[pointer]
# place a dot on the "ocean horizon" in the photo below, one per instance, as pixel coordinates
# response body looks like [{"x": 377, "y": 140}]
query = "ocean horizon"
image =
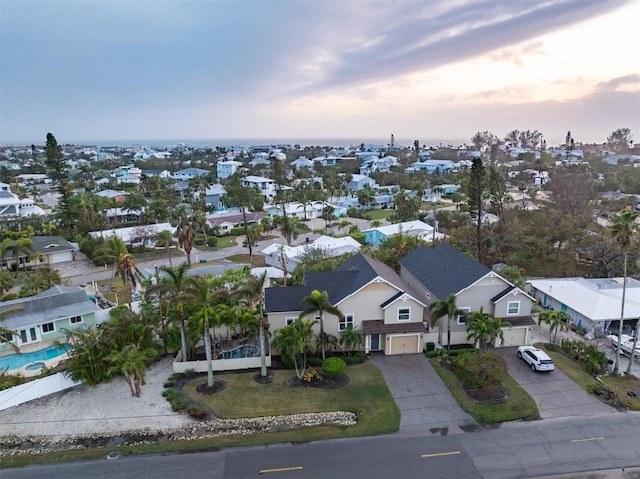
[{"x": 245, "y": 142}]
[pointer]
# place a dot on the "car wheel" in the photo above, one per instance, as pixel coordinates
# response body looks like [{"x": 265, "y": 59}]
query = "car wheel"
[
  {"x": 519, "y": 355},
  {"x": 533, "y": 368}
]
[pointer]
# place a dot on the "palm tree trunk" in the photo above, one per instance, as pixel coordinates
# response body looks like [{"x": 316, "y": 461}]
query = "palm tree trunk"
[
  {"x": 137, "y": 380},
  {"x": 207, "y": 352},
  {"x": 448, "y": 337},
  {"x": 128, "y": 379},
  {"x": 183, "y": 335},
  {"x": 263, "y": 353},
  {"x": 616, "y": 369},
  {"x": 322, "y": 334},
  {"x": 633, "y": 348}
]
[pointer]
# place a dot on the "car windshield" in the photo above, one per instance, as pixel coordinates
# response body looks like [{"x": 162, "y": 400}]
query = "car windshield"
[{"x": 546, "y": 361}]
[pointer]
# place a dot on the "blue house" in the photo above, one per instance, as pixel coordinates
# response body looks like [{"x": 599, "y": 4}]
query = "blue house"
[{"x": 431, "y": 166}]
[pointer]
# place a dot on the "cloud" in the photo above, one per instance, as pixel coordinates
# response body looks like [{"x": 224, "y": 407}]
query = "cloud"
[{"x": 632, "y": 81}]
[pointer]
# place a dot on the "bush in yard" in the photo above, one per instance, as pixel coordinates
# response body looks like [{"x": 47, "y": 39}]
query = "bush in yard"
[
  {"x": 334, "y": 365},
  {"x": 431, "y": 346},
  {"x": 212, "y": 241},
  {"x": 311, "y": 375},
  {"x": 197, "y": 412},
  {"x": 480, "y": 369},
  {"x": 594, "y": 361}
]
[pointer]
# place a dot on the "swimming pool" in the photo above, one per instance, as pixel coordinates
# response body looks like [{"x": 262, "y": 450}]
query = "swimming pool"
[
  {"x": 16, "y": 361},
  {"x": 240, "y": 352}
]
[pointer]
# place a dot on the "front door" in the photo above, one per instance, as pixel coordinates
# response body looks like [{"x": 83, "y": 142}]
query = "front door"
[
  {"x": 28, "y": 335},
  {"x": 375, "y": 342}
]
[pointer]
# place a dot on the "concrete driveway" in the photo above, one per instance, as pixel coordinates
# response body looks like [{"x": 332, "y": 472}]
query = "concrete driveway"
[
  {"x": 424, "y": 401},
  {"x": 555, "y": 394}
]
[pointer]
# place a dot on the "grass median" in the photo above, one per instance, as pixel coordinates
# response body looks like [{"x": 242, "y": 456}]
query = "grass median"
[
  {"x": 367, "y": 394},
  {"x": 519, "y": 406}
]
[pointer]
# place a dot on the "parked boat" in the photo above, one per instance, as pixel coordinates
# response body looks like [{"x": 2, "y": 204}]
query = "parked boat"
[{"x": 625, "y": 345}]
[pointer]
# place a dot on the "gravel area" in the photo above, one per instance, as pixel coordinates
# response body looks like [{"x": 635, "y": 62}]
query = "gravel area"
[{"x": 105, "y": 408}]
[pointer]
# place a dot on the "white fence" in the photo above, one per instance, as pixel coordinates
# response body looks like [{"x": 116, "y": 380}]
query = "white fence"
[
  {"x": 219, "y": 364},
  {"x": 34, "y": 390}
]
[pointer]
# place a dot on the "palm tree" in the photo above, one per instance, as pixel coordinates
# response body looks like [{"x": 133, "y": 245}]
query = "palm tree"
[
  {"x": 294, "y": 342},
  {"x": 557, "y": 321},
  {"x": 6, "y": 281},
  {"x": 623, "y": 228},
  {"x": 18, "y": 247},
  {"x": 6, "y": 334},
  {"x": 175, "y": 284},
  {"x": 32, "y": 285},
  {"x": 483, "y": 328},
  {"x": 319, "y": 302},
  {"x": 446, "y": 307},
  {"x": 165, "y": 238},
  {"x": 186, "y": 233},
  {"x": 351, "y": 338},
  {"x": 132, "y": 362},
  {"x": 253, "y": 293},
  {"x": 124, "y": 264},
  {"x": 50, "y": 276},
  {"x": 201, "y": 291}
]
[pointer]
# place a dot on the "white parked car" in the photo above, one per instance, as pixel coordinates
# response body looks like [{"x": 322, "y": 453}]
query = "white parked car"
[{"x": 536, "y": 358}]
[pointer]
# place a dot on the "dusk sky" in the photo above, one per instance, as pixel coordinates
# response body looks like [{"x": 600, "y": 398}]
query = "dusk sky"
[{"x": 90, "y": 70}]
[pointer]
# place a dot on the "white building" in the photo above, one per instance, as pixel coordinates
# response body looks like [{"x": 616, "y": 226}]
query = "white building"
[{"x": 226, "y": 169}]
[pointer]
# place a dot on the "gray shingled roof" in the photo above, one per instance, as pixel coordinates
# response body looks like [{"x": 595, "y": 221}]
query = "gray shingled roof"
[
  {"x": 443, "y": 270},
  {"x": 345, "y": 280},
  {"x": 55, "y": 303},
  {"x": 50, "y": 244}
]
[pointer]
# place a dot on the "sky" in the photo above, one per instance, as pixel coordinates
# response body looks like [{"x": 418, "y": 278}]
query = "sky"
[{"x": 97, "y": 70}]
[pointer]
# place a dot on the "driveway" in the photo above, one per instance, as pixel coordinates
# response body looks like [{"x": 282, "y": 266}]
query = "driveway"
[
  {"x": 424, "y": 401},
  {"x": 555, "y": 394}
]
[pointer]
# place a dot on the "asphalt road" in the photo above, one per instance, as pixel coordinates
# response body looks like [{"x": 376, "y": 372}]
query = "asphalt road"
[{"x": 516, "y": 450}]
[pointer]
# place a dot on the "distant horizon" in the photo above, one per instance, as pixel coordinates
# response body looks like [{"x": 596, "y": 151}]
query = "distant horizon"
[{"x": 246, "y": 142}]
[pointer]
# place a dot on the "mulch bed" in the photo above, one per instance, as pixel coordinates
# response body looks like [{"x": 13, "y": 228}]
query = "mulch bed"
[
  {"x": 204, "y": 388},
  {"x": 335, "y": 381},
  {"x": 268, "y": 379},
  {"x": 493, "y": 395}
]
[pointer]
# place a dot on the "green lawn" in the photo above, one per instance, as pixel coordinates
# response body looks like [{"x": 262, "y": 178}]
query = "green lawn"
[
  {"x": 257, "y": 261},
  {"x": 367, "y": 394},
  {"x": 379, "y": 214},
  {"x": 620, "y": 385},
  {"x": 519, "y": 405},
  {"x": 113, "y": 289}
]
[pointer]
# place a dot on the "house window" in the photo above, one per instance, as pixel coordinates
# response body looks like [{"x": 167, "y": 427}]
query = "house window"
[
  {"x": 290, "y": 321},
  {"x": 345, "y": 322},
  {"x": 404, "y": 314},
  {"x": 48, "y": 328},
  {"x": 75, "y": 320},
  {"x": 513, "y": 308},
  {"x": 7, "y": 337},
  {"x": 462, "y": 318}
]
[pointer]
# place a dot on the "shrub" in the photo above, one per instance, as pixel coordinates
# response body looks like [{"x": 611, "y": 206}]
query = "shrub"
[
  {"x": 356, "y": 358},
  {"x": 311, "y": 375},
  {"x": 314, "y": 361},
  {"x": 435, "y": 353},
  {"x": 198, "y": 240},
  {"x": 431, "y": 346},
  {"x": 594, "y": 361},
  {"x": 197, "y": 412},
  {"x": 334, "y": 365},
  {"x": 237, "y": 231},
  {"x": 481, "y": 369},
  {"x": 190, "y": 373},
  {"x": 180, "y": 403},
  {"x": 459, "y": 352},
  {"x": 169, "y": 383},
  {"x": 212, "y": 241},
  {"x": 171, "y": 394}
]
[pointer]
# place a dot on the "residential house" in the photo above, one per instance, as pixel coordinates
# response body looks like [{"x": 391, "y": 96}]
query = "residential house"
[
  {"x": 432, "y": 195},
  {"x": 593, "y": 303},
  {"x": 287, "y": 257},
  {"x": 44, "y": 250},
  {"x": 135, "y": 235},
  {"x": 372, "y": 297},
  {"x": 431, "y": 166},
  {"x": 302, "y": 162},
  {"x": 214, "y": 195},
  {"x": 441, "y": 271},
  {"x": 12, "y": 205},
  {"x": 232, "y": 218},
  {"x": 45, "y": 316},
  {"x": 359, "y": 182},
  {"x": 226, "y": 169},
  {"x": 188, "y": 174},
  {"x": 375, "y": 236},
  {"x": 304, "y": 211},
  {"x": 164, "y": 174},
  {"x": 448, "y": 189},
  {"x": 115, "y": 195},
  {"x": 267, "y": 186},
  {"x": 382, "y": 165}
]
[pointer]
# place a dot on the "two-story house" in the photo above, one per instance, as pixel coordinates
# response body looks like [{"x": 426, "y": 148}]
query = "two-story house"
[
  {"x": 372, "y": 298},
  {"x": 438, "y": 272}
]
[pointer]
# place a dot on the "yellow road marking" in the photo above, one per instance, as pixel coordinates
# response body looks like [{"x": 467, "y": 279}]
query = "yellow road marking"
[
  {"x": 438, "y": 454},
  {"x": 281, "y": 469},
  {"x": 588, "y": 439}
]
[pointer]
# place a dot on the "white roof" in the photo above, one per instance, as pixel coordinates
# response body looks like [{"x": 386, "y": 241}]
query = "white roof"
[
  {"x": 338, "y": 246},
  {"x": 597, "y": 299},
  {"x": 126, "y": 234},
  {"x": 407, "y": 227}
]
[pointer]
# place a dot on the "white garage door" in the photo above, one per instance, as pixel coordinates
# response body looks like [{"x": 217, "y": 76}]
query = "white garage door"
[
  {"x": 513, "y": 337},
  {"x": 404, "y": 344}
]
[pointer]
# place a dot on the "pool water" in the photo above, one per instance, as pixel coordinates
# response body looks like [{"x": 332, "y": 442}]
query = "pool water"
[
  {"x": 240, "y": 352},
  {"x": 16, "y": 361}
]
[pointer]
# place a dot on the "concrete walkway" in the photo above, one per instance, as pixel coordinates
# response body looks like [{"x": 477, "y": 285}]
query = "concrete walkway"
[{"x": 425, "y": 403}]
